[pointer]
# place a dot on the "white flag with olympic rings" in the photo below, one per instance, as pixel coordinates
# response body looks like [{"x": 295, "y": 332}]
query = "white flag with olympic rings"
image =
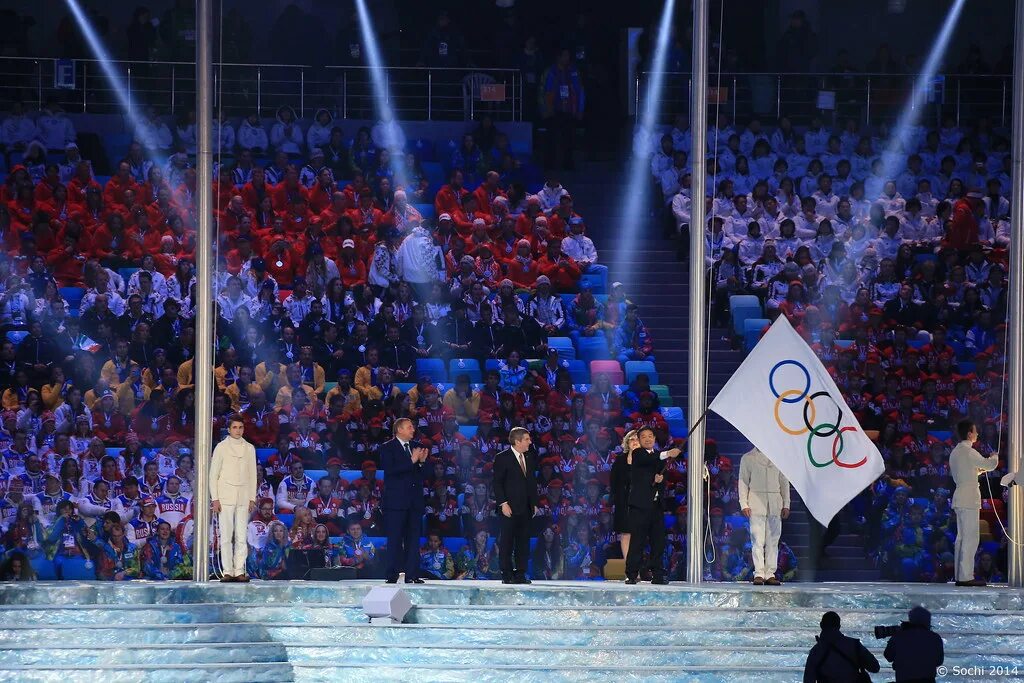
[{"x": 784, "y": 401}]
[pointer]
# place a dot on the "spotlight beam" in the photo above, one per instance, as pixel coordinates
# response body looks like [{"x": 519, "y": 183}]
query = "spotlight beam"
[
  {"x": 637, "y": 195},
  {"x": 895, "y": 152},
  {"x": 106, "y": 63},
  {"x": 380, "y": 90}
]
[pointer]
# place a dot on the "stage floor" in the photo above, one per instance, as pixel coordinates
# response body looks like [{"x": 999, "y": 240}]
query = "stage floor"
[{"x": 479, "y": 631}]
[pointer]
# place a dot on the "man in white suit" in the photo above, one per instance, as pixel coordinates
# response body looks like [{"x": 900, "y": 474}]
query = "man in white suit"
[
  {"x": 233, "y": 490},
  {"x": 965, "y": 465},
  {"x": 764, "y": 499}
]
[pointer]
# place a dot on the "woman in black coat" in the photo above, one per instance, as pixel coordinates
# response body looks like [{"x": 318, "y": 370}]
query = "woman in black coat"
[{"x": 620, "y": 489}]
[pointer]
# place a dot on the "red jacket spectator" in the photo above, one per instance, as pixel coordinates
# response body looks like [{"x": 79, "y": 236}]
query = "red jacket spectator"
[
  {"x": 963, "y": 227},
  {"x": 563, "y": 272},
  {"x": 449, "y": 198},
  {"x": 113, "y": 193}
]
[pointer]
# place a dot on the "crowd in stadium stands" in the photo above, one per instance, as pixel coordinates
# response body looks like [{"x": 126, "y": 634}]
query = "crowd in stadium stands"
[
  {"x": 338, "y": 310},
  {"x": 889, "y": 258}
]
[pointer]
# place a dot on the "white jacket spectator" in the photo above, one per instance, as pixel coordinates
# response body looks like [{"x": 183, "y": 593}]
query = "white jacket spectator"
[
  {"x": 225, "y": 133},
  {"x": 229, "y": 305},
  {"x": 319, "y": 133},
  {"x": 56, "y": 131},
  {"x": 152, "y": 133},
  {"x": 387, "y": 134},
  {"x": 18, "y": 129},
  {"x": 578, "y": 246},
  {"x": 680, "y": 209},
  {"x": 252, "y": 135},
  {"x": 286, "y": 134},
  {"x": 419, "y": 259},
  {"x": 187, "y": 137},
  {"x": 550, "y": 196}
]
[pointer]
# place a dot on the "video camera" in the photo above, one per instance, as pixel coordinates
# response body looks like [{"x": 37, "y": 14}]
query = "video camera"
[{"x": 889, "y": 631}]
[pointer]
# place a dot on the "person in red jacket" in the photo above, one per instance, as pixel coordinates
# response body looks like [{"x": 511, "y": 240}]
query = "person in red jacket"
[
  {"x": 232, "y": 214},
  {"x": 46, "y": 186},
  {"x": 113, "y": 193},
  {"x": 261, "y": 421},
  {"x": 66, "y": 262},
  {"x": 527, "y": 219},
  {"x": 297, "y": 219},
  {"x": 341, "y": 204},
  {"x": 255, "y": 190},
  {"x": 108, "y": 423},
  {"x": 322, "y": 193},
  {"x": 82, "y": 183},
  {"x": 449, "y": 198},
  {"x": 352, "y": 269},
  {"x": 365, "y": 217},
  {"x": 523, "y": 270},
  {"x": 488, "y": 191},
  {"x": 223, "y": 188},
  {"x": 282, "y": 265},
  {"x": 285, "y": 192},
  {"x": 112, "y": 242},
  {"x": 563, "y": 272},
  {"x": 963, "y": 227}
]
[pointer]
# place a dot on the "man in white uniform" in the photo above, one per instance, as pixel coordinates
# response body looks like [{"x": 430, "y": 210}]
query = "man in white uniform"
[
  {"x": 965, "y": 465},
  {"x": 233, "y": 490},
  {"x": 764, "y": 499}
]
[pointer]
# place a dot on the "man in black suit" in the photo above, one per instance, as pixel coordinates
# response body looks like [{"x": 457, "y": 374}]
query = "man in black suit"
[
  {"x": 402, "y": 462},
  {"x": 515, "y": 491},
  {"x": 646, "y": 517}
]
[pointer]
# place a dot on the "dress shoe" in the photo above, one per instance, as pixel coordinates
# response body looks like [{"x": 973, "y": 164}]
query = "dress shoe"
[
  {"x": 227, "y": 578},
  {"x": 772, "y": 582},
  {"x": 415, "y": 581},
  {"x": 659, "y": 581},
  {"x": 523, "y": 580},
  {"x": 974, "y": 583},
  {"x": 631, "y": 581},
  {"x": 393, "y": 579},
  {"x": 758, "y": 581},
  {"x": 508, "y": 581},
  {"x": 242, "y": 578}
]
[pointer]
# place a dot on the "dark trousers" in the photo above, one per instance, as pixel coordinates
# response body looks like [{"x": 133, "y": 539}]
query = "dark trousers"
[
  {"x": 514, "y": 545},
  {"x": 403, "y": 527},
  {"x": 646, "y": 525}
]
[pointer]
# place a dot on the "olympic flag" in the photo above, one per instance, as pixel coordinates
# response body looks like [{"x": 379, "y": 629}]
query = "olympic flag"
[{"x": 784, "y": 401}]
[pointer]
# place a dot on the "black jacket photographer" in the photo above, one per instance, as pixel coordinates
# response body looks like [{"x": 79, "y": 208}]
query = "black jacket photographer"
[
  {"x": 915, "y": 650},
  {"x": 837, "y": 658}
]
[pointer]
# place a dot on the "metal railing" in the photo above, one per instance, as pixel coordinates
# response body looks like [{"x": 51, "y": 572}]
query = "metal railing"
[
  {"x": 871, "y": 98},
  {"x": 414, "y": 93}
]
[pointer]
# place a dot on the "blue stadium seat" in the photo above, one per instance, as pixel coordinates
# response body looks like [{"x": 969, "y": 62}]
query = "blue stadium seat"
[
  {"x": 434, "y": 173},
  {"x": 426, "y": 210},
  {"x": 404, "y": 387},
  {"x": 566, "y": 351},
  {"x": 593, "y": 348},
  {"x": 464, "y": 366},
  {"x": 454, "y": 543},
  {"x": 422, "y": 148},
  {"x": 114, "y": 451},
  {"x": 263, "y": 454},
  {"x": 966, "y": 366},
  {"x": 844, "y": 343},
  {"x": 432, "y": 368},
  {"x": 468, "y": 431},
  {"x": 581, "y": 388},
  {"x": 741, "y": 307},
  {"x": 126, "y": 273},
  {"x": 78, "y": 569},
  {"x": 641, "y": 367},
  {"x": 492, "y": 364},
  {"x": 916, "y": 343},
  {"x": 579, "y": 371},
  {"x": 941, "y": 435},
  {"x": 672, "y": 413},
  {"x": 352, "y": 475},
  {"x": 15, "y": 337},
  {"x": 677, "y": 428},
  {"x": 663, "y": 394},
  {"x": 566, "y": 300},
  {"x": 286, "y": 519},
  {"x": 442, "y": 387},
  {"x": 44, "y": 569},
  {"x": 316, "y": 475},
  {"x": 598, "y": 282},
  {"x": 752, "y": 331}
]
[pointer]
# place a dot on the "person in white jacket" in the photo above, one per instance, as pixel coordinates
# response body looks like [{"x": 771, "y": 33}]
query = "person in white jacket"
[
  {"x": 764, "y": 500},
  {"x": 252, "y": 135},
  {"x": 233, "y": 494},
  {"x": 286, "y": 134},
  {"x": 18, "y": 129},
  {"x": 55, "y": 130},
  {"x": 965, "y": 465},
  {"x": 319, "y": 133}
]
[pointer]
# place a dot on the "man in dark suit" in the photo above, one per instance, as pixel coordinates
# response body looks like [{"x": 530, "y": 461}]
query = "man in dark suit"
[
  {"x": 646, "y": 517},
  {"x": 515, "y": 491},
  {"x": 402, "y": 462}
]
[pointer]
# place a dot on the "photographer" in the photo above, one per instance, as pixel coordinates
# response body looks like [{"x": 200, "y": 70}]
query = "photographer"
[
  {"x": 915, "y": 650},
  {"x": 837, "y": 658}
]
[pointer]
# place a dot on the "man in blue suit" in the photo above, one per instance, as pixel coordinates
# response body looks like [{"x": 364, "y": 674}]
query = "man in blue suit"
[{"x": 402, "y": 462}]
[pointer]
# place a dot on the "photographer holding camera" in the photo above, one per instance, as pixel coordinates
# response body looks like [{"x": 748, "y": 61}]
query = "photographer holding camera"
[
  {"x": 836, "y": 658},
  {"x": 914, "y": 649}
]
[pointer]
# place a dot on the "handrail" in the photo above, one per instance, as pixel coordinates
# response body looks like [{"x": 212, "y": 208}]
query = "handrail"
[{"x": 847, "y": 74}]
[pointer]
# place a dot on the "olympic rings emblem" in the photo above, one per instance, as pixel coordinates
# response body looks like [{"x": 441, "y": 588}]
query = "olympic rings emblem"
[{"x": 821, "y": 430}]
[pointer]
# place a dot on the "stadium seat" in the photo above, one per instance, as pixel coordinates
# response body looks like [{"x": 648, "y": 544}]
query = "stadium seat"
[
  {"x": 468, "y": 431},
  {"x": 663, "y": 394},
  {"x": 592, "y": 348},
  {"x": 844, "y": 343},
  {"x": 432, "y": 368},
  {"x": 492, "y": 364},
  {"x": 598, "y": 282},
  {"x": 940, "y": 435},
  {"x": 677, "y": 428},
  {"x": 464, "y": 366},
  {"x": 752, "y": 328},
  {"x": 741, "y": 307},
  {"x": 44, "y": 569},
  {"x": 328, "y": 386},
  {"x": 672, "y": 413},
  {"x": 78, "y": 569},
  {"x": 404, "y": 387},
  {"x": 641, "y": 367},
  {"x": 263, "y": 454},
  {"x": 578, "y": 371},
  {"x": 73, "y": 295},
  {"x": 426, "y": 210},
  {"x": 966, "y": 366},
  {"x": 126, "y": 273},
  {"x": 15, "y": 336},
  {"x": 422, "y": 148},
  {"x": 608, "y": 367},
  {"x": 315, "y": 475},
  {"x": 286, "y": 519},
  {"x": 566, "y": 351}
]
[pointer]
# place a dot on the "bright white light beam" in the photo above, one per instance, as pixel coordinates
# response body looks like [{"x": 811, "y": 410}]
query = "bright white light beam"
[{"x": 637, "y": 198}]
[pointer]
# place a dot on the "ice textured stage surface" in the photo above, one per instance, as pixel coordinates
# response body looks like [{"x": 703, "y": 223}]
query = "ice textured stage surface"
[{"x": 474, "y": 631}]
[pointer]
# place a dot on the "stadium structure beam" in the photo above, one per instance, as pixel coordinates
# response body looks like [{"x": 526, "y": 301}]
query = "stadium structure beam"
[
  {"x": 202, "y": 369},
  {"x": 1015, "y": 462},
  {"x": 698, "y": 296}
]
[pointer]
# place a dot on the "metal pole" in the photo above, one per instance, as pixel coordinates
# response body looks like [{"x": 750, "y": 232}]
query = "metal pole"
[
  {"x": 344, "y": 94},
  {"x": 1002, "y": 106},
  {"x": 202, "y": 369},
  {"x": 128, "y": 85},
  {"x": 958, "y": 102},
  {"x": 867, "y": 106},
  {"x": 302, "y": 93},
  {"x": 778, "y": 97},
  {"x": 259, "y": 92},
  {"x": 1015, "y": 422},
  {"x": 173, "y": 91},
  {"x": 698, "y": 303},
  {"x": 39, "y": 85},
  {"x": 733, "y": 100},
  {"x": 85, "y": 88},
  {"x": 430, "y": 94}
]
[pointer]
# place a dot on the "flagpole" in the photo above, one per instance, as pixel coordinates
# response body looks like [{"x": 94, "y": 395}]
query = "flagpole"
[
  {"x": 698, "y": 295},
  {"x": 202, "y": 364},
  {"x": 1015, "y": 421}
]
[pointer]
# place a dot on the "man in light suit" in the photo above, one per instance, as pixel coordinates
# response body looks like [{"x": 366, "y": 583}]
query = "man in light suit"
[
  {"x": 764, "y": 500},
  {"x": 233, "y": 490},
  {"x": 402, "y": 461},
  {"x": 965, "y": 464},
  {"x": 515, "y": 492}
]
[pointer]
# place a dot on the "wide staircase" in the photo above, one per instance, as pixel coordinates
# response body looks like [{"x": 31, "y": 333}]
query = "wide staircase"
[
  {"x": 479, "y": 631},
  {"x": 660, "y": 284}
]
